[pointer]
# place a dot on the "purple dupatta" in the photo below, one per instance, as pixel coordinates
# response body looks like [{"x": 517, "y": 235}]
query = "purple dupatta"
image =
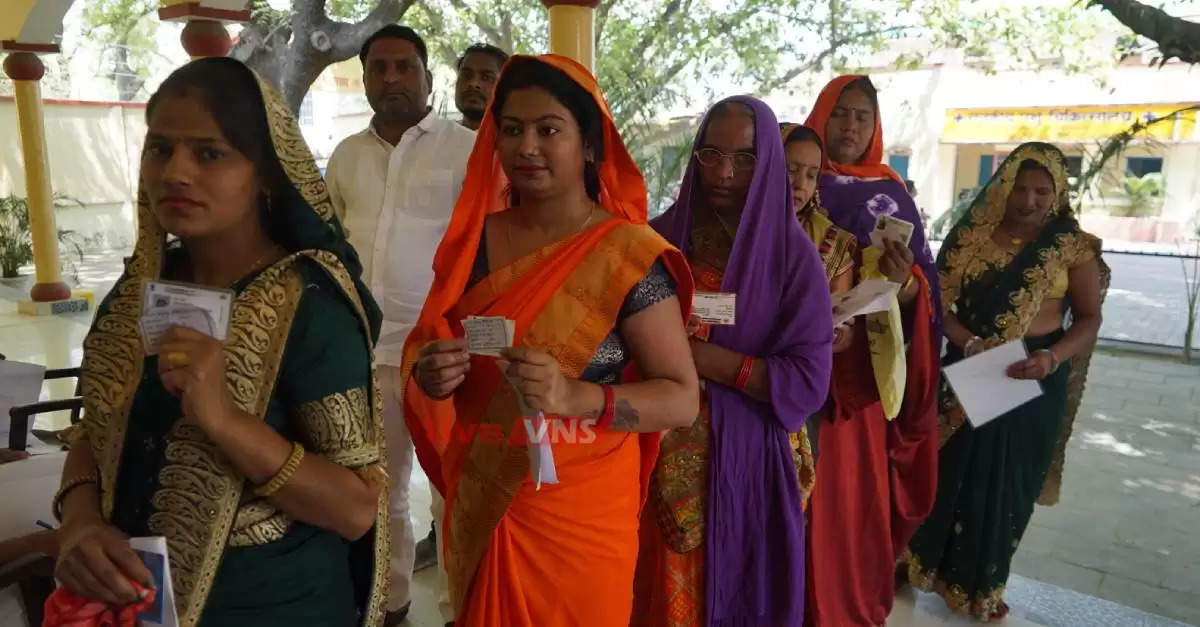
[
  {"x": 854, "y": 203},
  {"x": 754, "y": 569}
]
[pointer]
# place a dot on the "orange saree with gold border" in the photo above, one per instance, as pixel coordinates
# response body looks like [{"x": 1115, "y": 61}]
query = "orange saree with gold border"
[{"x": 564, "y": 554}]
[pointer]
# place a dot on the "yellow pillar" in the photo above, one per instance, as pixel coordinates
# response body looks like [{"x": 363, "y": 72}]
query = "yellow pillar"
[
  {"x": 26, "y": 70},
  {"x": 572, "y": 29}
]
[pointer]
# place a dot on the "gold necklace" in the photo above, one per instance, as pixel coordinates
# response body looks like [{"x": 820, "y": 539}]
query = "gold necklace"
[
  {"x": 254, "y": 266},
  {"x": 1012, "y": 239},
  {"x": 509, "y": 237}
]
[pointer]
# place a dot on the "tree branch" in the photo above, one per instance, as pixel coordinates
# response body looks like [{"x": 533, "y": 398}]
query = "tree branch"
[
  {"x": 348, "y": 38},
  {"x": 488, "y": 30},
  {"x": 1176, "y": 37},
  {"x": 659, "y": 27},
  {"x": 602, "y": 18},
  {"x": 815, "y": 62}
]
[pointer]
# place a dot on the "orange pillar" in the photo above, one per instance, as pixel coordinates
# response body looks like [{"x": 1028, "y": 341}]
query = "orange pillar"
[
  {"x": 205, "y": 38},
  {"x": 204, "y": 34},
  {"x": 572, "y": 29}
]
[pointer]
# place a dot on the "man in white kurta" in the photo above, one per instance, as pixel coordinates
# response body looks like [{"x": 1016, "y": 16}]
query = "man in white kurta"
[{"x": 394, "y": 186}]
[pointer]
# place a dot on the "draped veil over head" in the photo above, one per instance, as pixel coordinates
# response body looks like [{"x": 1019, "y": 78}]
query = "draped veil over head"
[
  {"x": 303, "y": 223},
  {"x": 1004, "y": 304},
  {"x": 856, "y": 193},
  {"x": 755, "y": 528},
  {"x": 563, "y": 300}
]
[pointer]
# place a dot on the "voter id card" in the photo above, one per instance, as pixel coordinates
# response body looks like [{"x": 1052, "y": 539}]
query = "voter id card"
[
  {"x": 889, "y": 228},
  {"x": 488, "y": 335},
  {"x": 167, "y": 304},
  {"x": 714, "y": 307}
]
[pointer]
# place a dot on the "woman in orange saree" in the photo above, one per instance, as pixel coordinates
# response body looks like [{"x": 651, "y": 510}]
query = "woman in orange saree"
[{"x": 596, "y": 301}]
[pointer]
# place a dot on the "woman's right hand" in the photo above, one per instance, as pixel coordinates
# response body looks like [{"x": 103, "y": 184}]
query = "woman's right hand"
[
  {"x": 96, "y": 562},
  {"x": 442, "y": 367}
]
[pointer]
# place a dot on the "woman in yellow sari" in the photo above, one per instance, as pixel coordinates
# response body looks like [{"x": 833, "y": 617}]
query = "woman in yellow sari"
[{"x": 597, "y": 302}]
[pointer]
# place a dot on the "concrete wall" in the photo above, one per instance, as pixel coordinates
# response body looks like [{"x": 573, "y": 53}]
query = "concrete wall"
[{"x": 94, "y": 150}]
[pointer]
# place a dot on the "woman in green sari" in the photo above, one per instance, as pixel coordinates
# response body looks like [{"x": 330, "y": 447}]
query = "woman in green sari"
[
  {"x": 258, "y": 457},
  {"x": 1014, "y": 267}
]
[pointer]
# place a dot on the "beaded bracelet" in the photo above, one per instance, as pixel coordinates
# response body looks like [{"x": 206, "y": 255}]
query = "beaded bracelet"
[
  {"x": 285, "y": 473},
  {"x": 61, "y": 495}
]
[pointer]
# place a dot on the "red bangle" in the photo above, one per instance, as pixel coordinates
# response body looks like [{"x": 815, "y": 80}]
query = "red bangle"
[
  {"x": 610, "y": 408},
  {"x": 743, "y": 376}
]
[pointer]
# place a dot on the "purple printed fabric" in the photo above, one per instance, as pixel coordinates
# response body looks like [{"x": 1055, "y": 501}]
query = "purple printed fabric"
[{"x": 754, "y": 570}]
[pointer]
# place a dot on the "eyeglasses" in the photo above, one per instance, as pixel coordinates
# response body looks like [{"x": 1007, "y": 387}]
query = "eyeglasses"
[{"x": 711, "y": 157}]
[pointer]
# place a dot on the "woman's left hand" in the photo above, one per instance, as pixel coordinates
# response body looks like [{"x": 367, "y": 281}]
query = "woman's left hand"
[
  {"x": 1037, "y": 366},
  {"x": 192, "y": 368},
  {"x": 540, "y": 381},
  {"x": 896, "y": 261}
]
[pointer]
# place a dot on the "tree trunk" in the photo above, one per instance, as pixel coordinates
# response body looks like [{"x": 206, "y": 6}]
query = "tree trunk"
[
  {"x": 128, "y": 81},
  {"x": 1187, "y": 339},
  {"x": 291, "y": 54},
  {"x": 1175, "y": 37}
]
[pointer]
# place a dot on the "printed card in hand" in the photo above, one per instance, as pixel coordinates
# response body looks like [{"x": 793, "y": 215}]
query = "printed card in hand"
[
  {"x": 488, "y": 335},
  {"x": 889, "y": 228},
  {"x": 153, "y": 553},
  {"x": 166, "y": 304},
  {"x": 714, "y": 307}
]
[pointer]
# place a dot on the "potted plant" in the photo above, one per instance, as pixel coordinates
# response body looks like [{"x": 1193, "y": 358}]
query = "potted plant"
[{"x": 16, "y": 239}]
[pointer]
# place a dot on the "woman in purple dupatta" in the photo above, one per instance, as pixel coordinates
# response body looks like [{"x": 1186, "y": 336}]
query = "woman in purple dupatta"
[{"x": 723, "y": 531}]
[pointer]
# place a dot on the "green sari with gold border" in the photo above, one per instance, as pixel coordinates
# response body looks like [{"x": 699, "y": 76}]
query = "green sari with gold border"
[
  {"x": 990, "y": 477},
  {"x": 298, "y": 356}
]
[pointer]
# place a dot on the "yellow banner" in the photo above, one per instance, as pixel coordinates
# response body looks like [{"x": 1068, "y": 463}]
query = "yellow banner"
[{"x": 1065, "y": 124}]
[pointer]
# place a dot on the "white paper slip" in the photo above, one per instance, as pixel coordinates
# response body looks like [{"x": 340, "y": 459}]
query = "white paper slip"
[
  {"x": 488, "y": 335},
  {"x": 867, "y": 297},
  {"x": 20, "y": 384},
  {"x": 714, "y": 307},
  {"x": 166, "y": 304},
  {"x": 982, "y": 387},
  {"x": 153, "y": 552},
  {"x": 889, "y": 228},
  {"x": 537, "y": 428}
]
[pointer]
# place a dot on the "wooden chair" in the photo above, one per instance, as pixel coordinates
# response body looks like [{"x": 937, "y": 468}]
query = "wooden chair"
[{"x": 21, "y": 415}]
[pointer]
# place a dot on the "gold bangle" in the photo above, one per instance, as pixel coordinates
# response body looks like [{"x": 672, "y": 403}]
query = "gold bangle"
[
  {"x": 285, "y": 473},
  {"x": 70, "y": 484},
  {"x": 907, "y": 282}
]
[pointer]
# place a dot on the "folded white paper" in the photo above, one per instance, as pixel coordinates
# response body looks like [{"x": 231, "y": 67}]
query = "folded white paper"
[
  {"x": 541, "y": 454},
  {"x": 983, "y": 388},
  {"x": 867, "y": 297}
]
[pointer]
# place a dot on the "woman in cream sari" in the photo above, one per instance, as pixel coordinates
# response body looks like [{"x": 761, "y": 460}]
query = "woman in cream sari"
[
  {"x": 258, "y": 457},
  {"x": 550, "y": 233},
  {"x": 1013, "y": 268}
]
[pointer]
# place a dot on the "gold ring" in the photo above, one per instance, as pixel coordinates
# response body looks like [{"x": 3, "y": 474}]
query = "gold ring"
[{"x": 177, "y": 359}]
